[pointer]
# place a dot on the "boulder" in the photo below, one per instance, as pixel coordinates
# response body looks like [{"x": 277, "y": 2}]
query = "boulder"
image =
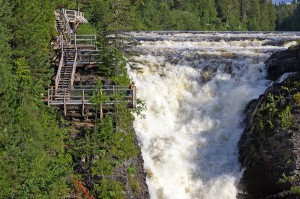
[{"x": 283, "y": 62}]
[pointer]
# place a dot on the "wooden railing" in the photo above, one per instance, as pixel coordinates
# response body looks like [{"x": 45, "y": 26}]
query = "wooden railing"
[
  {"x": 83, "y": 39},
  {"x": 61, "y": 64},
  {"x": 66, "y": 24},
  {"x": 72, "y": 14},
  {"x": 74, "y": 69},
  {"x": 85, "y": 52},
  {"x": 88, "y": 56},
  {"x": 82, "y": 95}
]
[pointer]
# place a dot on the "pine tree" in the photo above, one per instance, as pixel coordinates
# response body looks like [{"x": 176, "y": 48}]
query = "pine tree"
[
  {"x": 32, "y": 163},
  {"x": 33, "y": 27},
  {"x": 229, "y": 13},
  {"x": 253, "y": 15},
  {"x": 272, "y": 16},
  {"x": 208, "y": 15}
]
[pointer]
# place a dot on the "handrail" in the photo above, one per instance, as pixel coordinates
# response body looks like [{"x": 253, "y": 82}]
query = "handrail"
[
  {"x": 75, "y": 15},
  {"x": 74, "y": 69},
  {"x": 85, "y": 39},
  {"x": 82, "y": 96},
  {"x": 66, "y": 23},
  {"x": 76, "y": 93},
  {"x": 61, "y": 63},
  {"x": 91, "y": 89},
  {"x": 73, "y": 12}
]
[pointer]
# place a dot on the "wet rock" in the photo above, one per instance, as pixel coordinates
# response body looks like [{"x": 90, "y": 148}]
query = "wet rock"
[
  {"x": 284, "y": 62},
  {"x": 269, "y": 149}
]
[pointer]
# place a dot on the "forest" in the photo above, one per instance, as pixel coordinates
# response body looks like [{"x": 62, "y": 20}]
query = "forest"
[
  {"x": 288, "y": 16},
  {"x": 37, "y": 159},
  {"x": 183, "y": 14}
]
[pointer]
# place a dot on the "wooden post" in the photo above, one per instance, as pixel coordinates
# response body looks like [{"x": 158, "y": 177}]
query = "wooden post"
[
  {"x": 65, "y": 105},
  {"x": 82, "y": 113},
  {"x": 48, "y": 97},
  {"x": 101, "y": 108},
  {"x": 101, "y": 112},
  {"x": 134, "y": 97}
]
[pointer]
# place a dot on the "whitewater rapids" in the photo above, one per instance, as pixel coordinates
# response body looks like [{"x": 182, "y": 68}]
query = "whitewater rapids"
[{"x": 195, "y": 86}]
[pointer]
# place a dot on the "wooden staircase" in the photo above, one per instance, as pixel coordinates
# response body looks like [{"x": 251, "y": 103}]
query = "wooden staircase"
[
  {"x": 66, "y": 71},
  {"x": 80, "y": 51}
]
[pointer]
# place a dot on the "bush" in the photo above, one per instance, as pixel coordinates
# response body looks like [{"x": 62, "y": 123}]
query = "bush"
[{"x": 297, "y": 98}]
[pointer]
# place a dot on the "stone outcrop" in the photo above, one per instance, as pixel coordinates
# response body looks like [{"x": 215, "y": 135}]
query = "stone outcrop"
[
  {"x": 284, "y": 62},
  {"x": 269, "y": 149}
]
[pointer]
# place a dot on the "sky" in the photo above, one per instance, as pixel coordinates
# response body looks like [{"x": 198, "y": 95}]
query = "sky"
[{"x": 278, "y": 1}]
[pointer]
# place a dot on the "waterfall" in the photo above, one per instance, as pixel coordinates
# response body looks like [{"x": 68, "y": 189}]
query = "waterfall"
[{"x": 195, "y": 86}]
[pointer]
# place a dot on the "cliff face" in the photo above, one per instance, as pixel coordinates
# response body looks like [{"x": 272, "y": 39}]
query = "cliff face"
[{"x": 269, "y": 149}]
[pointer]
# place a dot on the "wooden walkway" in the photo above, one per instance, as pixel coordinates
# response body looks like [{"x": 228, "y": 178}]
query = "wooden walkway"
[{"x": 79, "y": 51}]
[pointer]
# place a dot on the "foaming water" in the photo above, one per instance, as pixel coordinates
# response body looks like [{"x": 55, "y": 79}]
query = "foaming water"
[{"x": 196, "y": 86}]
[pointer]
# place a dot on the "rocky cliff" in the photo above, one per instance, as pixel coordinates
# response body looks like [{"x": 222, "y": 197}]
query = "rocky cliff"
[{"x": 269, "y": 149}]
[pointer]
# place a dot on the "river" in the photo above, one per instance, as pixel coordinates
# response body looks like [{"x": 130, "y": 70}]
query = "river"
[{"x": 195, "y": 86}]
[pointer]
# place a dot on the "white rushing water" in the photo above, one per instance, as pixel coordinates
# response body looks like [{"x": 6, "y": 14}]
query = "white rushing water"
[{"x": 196, "y": 86}]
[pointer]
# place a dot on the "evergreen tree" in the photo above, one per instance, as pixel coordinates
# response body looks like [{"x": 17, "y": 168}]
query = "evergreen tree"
[
  {"x": 253, "y": 15},
  {"x": 206, "y": 12},
  {"x": 32, "y": 164},
  {"x": 287, "y": 16},
  {"x": 229, "y": 13},
  {"x": 272, "y": 15},
  {"x": 264, "y": 15},
  {"x": 32, "y": 26}
]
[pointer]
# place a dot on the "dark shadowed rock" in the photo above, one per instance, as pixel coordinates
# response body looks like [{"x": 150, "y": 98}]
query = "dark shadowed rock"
[{"x": 284, "y": 62}]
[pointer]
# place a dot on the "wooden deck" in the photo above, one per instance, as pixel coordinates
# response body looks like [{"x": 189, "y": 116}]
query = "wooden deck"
[
  {"x": 82, "y": 95},
  {"x": 80, "y": 51}
]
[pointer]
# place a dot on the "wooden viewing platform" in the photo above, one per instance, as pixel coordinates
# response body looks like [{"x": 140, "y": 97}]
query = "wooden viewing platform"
[
  {"x": 80, "y": 51},
  {"x": 81, "y": 96}
]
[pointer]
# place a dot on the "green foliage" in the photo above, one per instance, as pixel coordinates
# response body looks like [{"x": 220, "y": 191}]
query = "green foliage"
[
  {"x": 295, "y": 190},
  {"x": 297, "y": 98},
  {"x": 104, "y": 148},
  {"x": 269, "y": 112},
  {"x": 120, "y": 77},
  {"x": 86, "y": 29},
  {"x": 285, "y": 117},
  {"x": 32, "y": 27},
  {"x": 140, "y": 107},
  {"x": 182, "y": 15},
  {"x": 110, "y": 189},
  {"x": 135, "y": 185},
  {"x": 131, "y": 170},
  {"x": 33, "y": 161},
  {"x": 113, "y": 63},
  {"x": 99, "y": 96},
  {"x": 293, "y": 179},
  {"x": 265, "y": 114},
  {"x": 288, "y": 16}
]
